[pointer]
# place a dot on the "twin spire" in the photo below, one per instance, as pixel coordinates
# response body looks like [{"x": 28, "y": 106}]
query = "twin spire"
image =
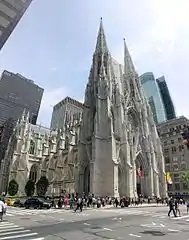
[{"x": 102, "y": 47}]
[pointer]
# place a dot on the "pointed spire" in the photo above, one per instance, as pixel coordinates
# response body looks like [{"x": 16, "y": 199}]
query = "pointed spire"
[
  {"x": 128, "y": 63},
  {"x": 101, "y": 45},
  {"x": 23, "y": 115}
]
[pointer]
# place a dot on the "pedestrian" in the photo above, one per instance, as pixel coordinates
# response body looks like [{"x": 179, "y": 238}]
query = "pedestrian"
[
  {"x": 177, "y": 210},
  {"x": 187, "y": 207},
  {"x": 171, "y": 207},
  {"x": 2, "y": 209}
]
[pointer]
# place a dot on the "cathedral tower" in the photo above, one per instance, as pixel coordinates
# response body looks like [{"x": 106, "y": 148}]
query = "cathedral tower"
[{"x": 118, "y": 135}]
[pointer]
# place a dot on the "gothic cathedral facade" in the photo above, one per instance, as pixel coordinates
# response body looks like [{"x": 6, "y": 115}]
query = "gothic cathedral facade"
[
  {"x": 118, "y": 134},
  {"x": 100, "y": 152}
]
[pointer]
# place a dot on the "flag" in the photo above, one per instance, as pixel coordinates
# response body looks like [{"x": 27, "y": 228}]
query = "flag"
[
  {"x": 168, "y": 178},
  {"x": 139, "y": 172}
]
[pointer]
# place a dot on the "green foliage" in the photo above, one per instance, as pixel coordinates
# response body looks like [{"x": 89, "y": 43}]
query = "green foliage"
[
  {"x": 42, "y": 186},
  {"x": 30, "y": 188},
  {"x": 12, "y": 188},
  {"x": 185, "y": 177}
]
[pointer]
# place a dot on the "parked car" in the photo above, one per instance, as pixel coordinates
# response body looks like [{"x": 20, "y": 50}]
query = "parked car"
[
  {"x": 36, "y": 203},
  {"x": 19, "y": 202}
]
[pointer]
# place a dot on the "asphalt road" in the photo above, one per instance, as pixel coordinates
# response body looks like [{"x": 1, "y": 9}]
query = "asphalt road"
[{"x": 113, "y": 224}]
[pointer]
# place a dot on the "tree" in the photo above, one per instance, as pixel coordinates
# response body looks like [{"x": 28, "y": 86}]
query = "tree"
[
  {"x": 12, "y": 188},
  {"x": 30, "y": 188},
  {"x": 185, "y": 177},
  {"x": 42, "y": 186}
]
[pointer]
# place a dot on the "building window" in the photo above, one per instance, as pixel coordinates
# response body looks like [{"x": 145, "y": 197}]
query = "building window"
[
  {"x": 183, "y": 166},
  {"x": 168, "y": 168},
  {"x": 185, "y": 186},
  {"x": 179, "y": 140},
  {"x": 33, "y": 173},
  {"x": 175, "y": 167},
  {"x": 167, "y": 160},
  {"x": 174, "y": 149},
  {"x": 66, "y": 142},
  {"x": 172, "y": 142},
  {"x": 181, "y": 147},
  {"x": 175, "y": 159},
  {"x": 170, "y": 187},
  {"x": 177, "y": 186},
  {"x": 32, "y": 147},
  {"x": 165, "y": 143},
  {"x": 166, "y": 150}
]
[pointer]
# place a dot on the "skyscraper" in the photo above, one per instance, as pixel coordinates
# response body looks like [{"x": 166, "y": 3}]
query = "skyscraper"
[
  {"x": 65, "y": 111},
  {"x": 11, "y": 12},
  {"x": 16, "y": 94},
  {"x": 166, "y": 98},
  {"x": 152, "y": 93}
]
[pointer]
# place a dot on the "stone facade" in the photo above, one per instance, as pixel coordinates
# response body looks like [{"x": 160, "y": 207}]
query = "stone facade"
[
  {"x": 118, "y": 134},
  {"x": 35, "y": 151},
  {"x": 175, "y": 153}
]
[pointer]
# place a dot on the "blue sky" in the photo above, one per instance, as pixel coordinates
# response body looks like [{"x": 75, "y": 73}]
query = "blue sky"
[{"x": 53, "y": 44}]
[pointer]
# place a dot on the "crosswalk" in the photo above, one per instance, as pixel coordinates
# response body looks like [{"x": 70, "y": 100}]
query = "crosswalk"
[
  {"x": 13, "y": 211},
  {"x": 137, "y": 212},
  {"x": 10, "y": 231}
]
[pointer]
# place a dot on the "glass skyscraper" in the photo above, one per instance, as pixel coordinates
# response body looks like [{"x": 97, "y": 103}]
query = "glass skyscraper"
[
  {"x": 166, "y": 98},
  {"x": 152, "y": 93}
]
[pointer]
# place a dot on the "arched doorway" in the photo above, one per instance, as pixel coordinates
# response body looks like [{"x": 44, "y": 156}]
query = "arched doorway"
[
  {"x": 86, "y": 182},
  {"x": 141, "y": 167}
]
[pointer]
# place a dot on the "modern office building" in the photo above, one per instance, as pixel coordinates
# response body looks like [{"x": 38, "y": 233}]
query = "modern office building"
[
  {"x": 152, "y": 93},
  {"x": 65, "y": 110},
  {"x": 11, "y": 12},
  {"x": 176, "y": 154},
  {"x": 166, "y": 98},
  {"x": 16, "y": 94}
]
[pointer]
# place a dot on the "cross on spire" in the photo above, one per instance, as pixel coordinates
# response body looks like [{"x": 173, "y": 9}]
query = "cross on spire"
[{"x": 101, "y": 45}]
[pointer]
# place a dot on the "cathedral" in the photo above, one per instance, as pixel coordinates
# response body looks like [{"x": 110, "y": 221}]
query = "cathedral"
[
  {"x": 36, "y": 151},
  {"x": 102, "y": 150}
]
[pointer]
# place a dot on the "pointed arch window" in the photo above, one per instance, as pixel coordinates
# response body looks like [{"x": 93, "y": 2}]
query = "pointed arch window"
[
  {"x": 76, "y": 138},
  {"x": 33, "y": 173},
  {"x": 66, "y": 142},
  {"x": 32, "y": 147}
]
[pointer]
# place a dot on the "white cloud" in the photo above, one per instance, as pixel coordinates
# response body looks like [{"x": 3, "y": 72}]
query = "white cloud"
[{"x": 50, "y": 98}]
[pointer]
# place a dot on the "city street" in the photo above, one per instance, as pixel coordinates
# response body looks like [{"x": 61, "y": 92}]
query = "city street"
[{"x": 92, "y": 224}]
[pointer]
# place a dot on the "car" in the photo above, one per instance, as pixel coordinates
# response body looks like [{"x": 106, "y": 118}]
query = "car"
[
  {"x": 19, "y": 203},
  {"x": 36, "y": 203}
]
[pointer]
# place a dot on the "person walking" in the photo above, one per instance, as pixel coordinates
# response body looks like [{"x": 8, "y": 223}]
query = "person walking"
[
  {"x": 2, "y": 210},
  {"x": 187, "y": 207},
  {"x": 177, "y": 210},
  {"x": 171, "y": 207}
]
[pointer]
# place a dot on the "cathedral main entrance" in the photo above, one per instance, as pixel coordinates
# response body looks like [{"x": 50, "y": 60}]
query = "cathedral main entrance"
[{"x": 86, "y": 182}]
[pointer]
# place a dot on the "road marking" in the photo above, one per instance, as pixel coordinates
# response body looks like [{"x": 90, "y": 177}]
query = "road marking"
[
  {"x": 177, "y": 218},
  {"x": 87, "y": 224},
  {"x": 108, "y": 229},
  {"x": 173, "y": 230},
  {"x": 41, "y": 238},
  {"x": 62, "y": 219},
  {"x": 133, "y": 235},
  {"x": 19, "y": 236},
  {"x": 8, "y": 226},
  {"x": 12, "y": 229},
  {"x": 15, "y": 232}
]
